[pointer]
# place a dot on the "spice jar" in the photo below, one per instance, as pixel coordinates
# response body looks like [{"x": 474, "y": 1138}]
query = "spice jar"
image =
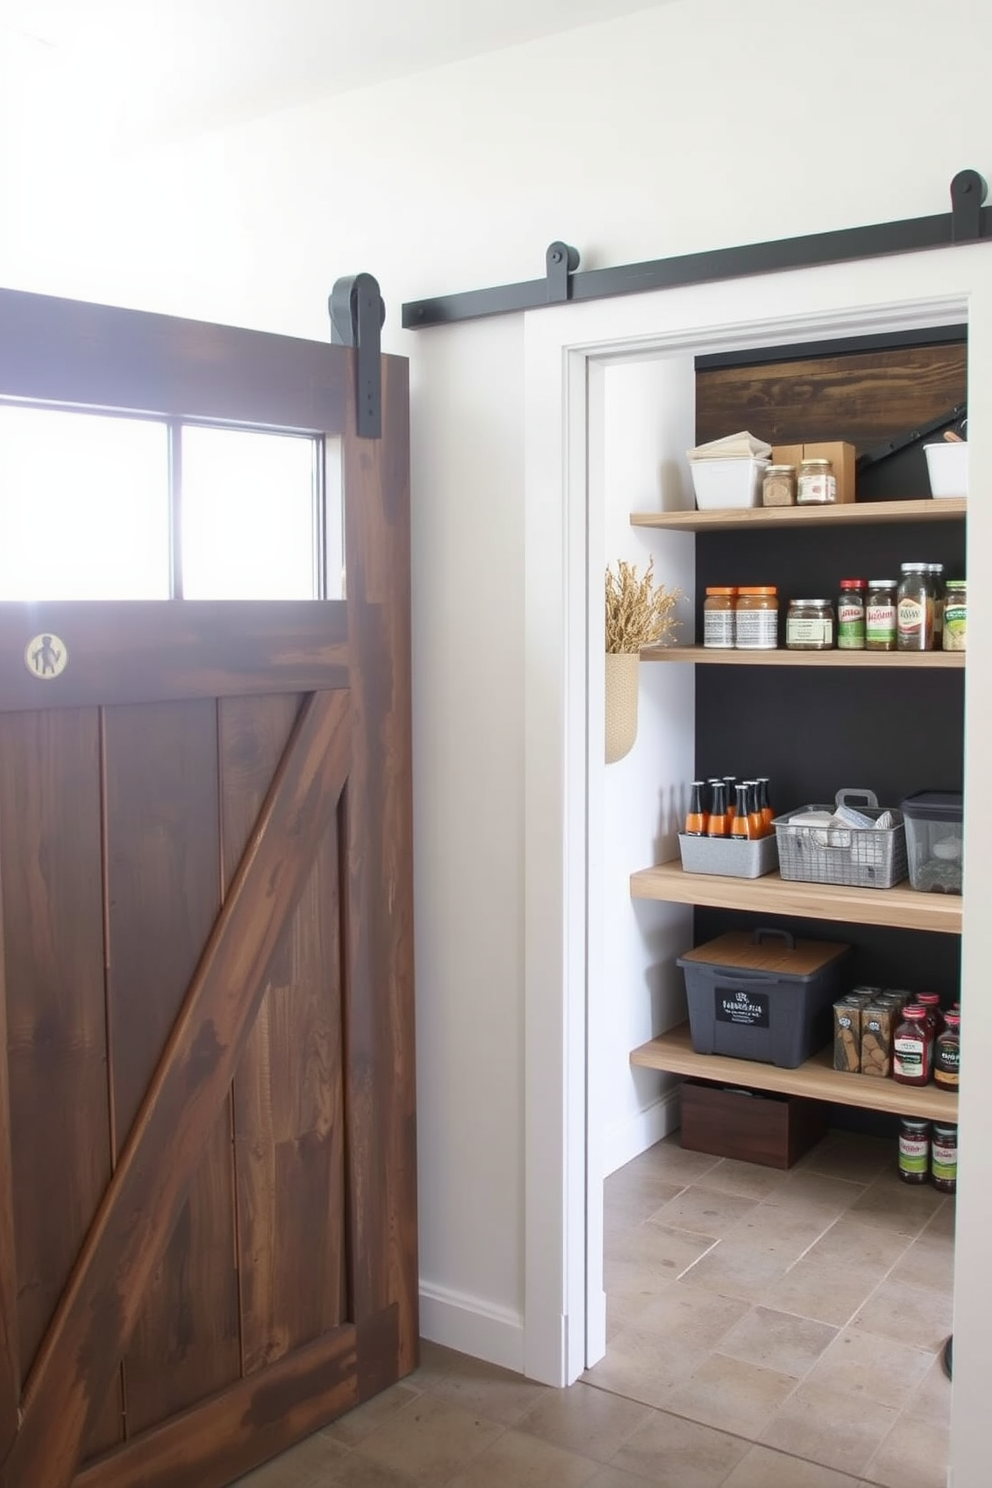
[
  {"x": 936, "y": 571},
  {"x": 817, "y": 484},
  {"x": 718, "y": 618},
  {"x": 914, "y": 609},
  {"x": 947, "y": 1053},
  {"x": 955, "y": 635},
  {"x": 757, "y": 618},
  {"x": 880, "y": 615},
  {"x": 851, "y": 615},
  {"x": 944, "y": 1157},
  {"x": 914, "y": 1150},
  {"x": 779, "y": 486},
  {"x": 809, "y": 625},
  {"x": 912, "y": 1047}
]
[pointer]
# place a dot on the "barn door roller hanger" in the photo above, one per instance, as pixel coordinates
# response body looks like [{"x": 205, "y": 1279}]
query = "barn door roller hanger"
[
  {"x": 968, "y": 221},
  {"x": 357, "y": 315}
]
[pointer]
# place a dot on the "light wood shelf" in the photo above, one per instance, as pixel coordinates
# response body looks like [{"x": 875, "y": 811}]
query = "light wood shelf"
[
  {"x": 850, "y": 514},
  {"x": 942, "y": 660},
  {"x": 816, "y": 1079},
  {"x": 901, "y": 907}
]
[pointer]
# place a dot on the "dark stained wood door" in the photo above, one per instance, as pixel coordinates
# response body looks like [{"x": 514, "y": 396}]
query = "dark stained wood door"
[{"x": 207, "y": 1141}]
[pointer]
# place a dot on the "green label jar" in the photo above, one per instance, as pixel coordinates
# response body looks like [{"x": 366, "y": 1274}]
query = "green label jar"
[
  {"x": 955, "y": 635},
  {"x": 851, "y": 615},
  {"x": 880, "y": 615},
  {"x": 944, "y": 1157},
  {"x": 914, "y": 1150}
]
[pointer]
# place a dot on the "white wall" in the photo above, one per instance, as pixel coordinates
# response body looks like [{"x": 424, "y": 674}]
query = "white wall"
[{"x": 647, "y": 136}]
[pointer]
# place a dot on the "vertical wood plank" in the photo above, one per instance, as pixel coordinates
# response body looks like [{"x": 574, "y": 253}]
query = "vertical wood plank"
[
  {"x": 379, "y": 996},
  {"x": 10, "y": 1364},
  {"x": 50, "y": 867},
  {"x": 163, "y": 883},
  {"x": 288, "y": 1092}
]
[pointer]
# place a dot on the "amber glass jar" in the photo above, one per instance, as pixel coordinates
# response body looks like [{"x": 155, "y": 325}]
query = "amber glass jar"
[
  {"x": 718, "y": 618},
  {"x": 947, "y": 1053},
  {"x": 912, "y": 1047},
  {"x": 757, "y": 618}
]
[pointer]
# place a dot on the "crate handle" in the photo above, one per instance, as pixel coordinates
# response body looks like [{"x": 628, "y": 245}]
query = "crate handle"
[
  {"x": 764, "y": 932},
  {"x": 842, "y": 798}
]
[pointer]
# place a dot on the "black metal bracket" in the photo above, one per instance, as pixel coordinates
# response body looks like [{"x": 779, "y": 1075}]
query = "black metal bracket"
[
  {"x": 969, "y": 221},
  {"x": 954, "y": 419},
  {"x": 357, "y": 316}
]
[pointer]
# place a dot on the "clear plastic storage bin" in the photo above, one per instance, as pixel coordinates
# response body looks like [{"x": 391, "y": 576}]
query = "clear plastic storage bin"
[{"x": 935, "y": 841}]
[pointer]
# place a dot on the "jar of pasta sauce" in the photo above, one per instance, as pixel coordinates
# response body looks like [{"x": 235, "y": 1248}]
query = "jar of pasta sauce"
[{"x": 944, "y": 1157}]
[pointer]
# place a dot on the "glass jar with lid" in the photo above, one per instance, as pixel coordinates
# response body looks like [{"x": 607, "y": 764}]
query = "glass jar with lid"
[
  {"x": 851, "y": 615},
  {"x": 937, "y": 586},
  {"x": 914, "y": 1150},
  {"x": 880, "y": 615},
  {"x": 809, "y": 625},
  {"x": 914, "y": 609},
  {"x": 756, "y": 618},
  {"x": 944, "y": 1157},
  {"x": 817, "y": 484},
  {"x": 947, "y": 1053},
  {"x": 718, "y": 617},
  {"x": 779, "y": 486},
  {"x": 955, "y": 636}
]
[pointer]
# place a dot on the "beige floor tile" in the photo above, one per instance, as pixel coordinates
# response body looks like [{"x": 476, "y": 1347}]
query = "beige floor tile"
[
  {"x": 872, "y": 1368},
  {"x": 624, "y": 1311},
  {"x": 612, "y": 1477},
  {"x": 942, "y": 1222},
  {"x": 828, "y": 1293},
  {"x": 645, "y": 1366},
  {"x": 756, "y": 1254},
  {"x": 671, "y": 1161},
  {"x": 778, "y": 1340},
  {"x": 640, "y": 1263},
  {"x": 829, "y": 1428},
  {"x": 763, "y": 1468},
  {"x": 915, "y": 1454},
  {"x": 734, "y": 1396},
  {"x": 668, "y": 1449},
  {"x": 705, "y": 1211},
  {"x": 629, "y": 1199},
  {"x": 846, "y": 1242},
  {"x": 750, "y": 1180},
  {"x": 914, "y": 1315},
  {"x": 486, "y": 1390},
  {"x": 782, "y": 1230},
  {"x": 364, "y": 1419},
  {"x": 815, "y": 1194},
  {"x": 893, "y": 1205},
  {"x": 858, "y": 1159},
  {"x": 683, "y": 1312},
  {"x": 928, "y": 1262},
  {"x": 591, "y": 1422},
  {"x": 429, "y": 1441},
  {"x": 525, "y": 1462},
  {"x": 435, "y": 1363},
  {"x": 931, "y": 1401},
  {"x": 357, "y": 1471}
]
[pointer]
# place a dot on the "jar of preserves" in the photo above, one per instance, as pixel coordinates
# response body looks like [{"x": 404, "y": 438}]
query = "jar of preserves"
[
  {"x": 931, "y": 1001},
  {"x": 779, "y": 486},
  {"x": 756, "y": 618},
  {"x": 817, "y": 484},
  {"x": 944, "y": 1157},
  {"x": 809, "y": 625},
  {"x": 912, "y": 1047},
  {"x": 914, "y": 1150},
  {"x": 718, "y": 618},
  {"x": 851, "y": 615},
  {"x": 947, "y": 1053},
  {"x": 880, "y": 615},
  {"x": 914, "y": 609},
  {"x": 937, "y": 586},
  {"x": 955, "y": 634}
]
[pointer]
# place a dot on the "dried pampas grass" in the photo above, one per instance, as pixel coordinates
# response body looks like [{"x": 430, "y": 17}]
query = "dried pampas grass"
[{"x": 638, "y": 613}]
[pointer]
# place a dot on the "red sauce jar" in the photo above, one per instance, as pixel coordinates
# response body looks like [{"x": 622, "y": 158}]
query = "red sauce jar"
[{"x": 912, "y": 1047}]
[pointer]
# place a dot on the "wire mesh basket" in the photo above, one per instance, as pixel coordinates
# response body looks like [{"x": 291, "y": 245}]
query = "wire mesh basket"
[{"x": 860, "y": 857}]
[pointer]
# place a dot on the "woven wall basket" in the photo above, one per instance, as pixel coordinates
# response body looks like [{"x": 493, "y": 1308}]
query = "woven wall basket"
[{"x": 621, "y": 705}]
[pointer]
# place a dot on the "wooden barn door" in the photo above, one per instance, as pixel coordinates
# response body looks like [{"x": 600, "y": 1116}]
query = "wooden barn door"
[{"x": 207, "y": 1144}]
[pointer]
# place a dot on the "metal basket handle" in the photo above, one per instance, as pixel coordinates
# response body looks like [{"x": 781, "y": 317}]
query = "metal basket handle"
[
  {"x": 764, "y": 932},
  {"x": 843, "y": 797}
]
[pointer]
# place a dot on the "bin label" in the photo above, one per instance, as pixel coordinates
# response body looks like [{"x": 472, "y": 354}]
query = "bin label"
[{"x": 749, "y": 1008}]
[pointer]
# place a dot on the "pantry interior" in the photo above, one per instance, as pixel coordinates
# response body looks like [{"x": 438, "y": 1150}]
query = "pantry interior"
[{"x": 810, "y": 730}]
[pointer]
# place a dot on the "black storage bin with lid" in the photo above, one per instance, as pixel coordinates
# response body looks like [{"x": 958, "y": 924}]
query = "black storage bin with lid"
[
  {"x": 762, "y": 995},
  {"x": 935, "y": 841}
]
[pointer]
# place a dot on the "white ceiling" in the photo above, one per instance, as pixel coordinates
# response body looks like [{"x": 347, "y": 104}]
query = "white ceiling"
[{"x": 165, "y": 67}]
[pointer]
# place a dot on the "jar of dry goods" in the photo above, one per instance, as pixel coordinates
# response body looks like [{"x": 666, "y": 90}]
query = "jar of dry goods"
[
  {"x": 718, "y": 618},
  {"x": 944, "y": 1157},
  {"x": 851, "y": 615},
  {"x": 937, "y": 590},
  {"x": 817, "y": 484},
  {"x": 756, "y": 618},
  {"x": 880, "y": 615},
  {"x": 809, "y": 625},
  {"x": 914, "y": 1150},
  {"x": 914, "y": 609},
  {"x": 779, "y": 486},
  {"x": 947, "y": 1053},
  {"x": 955, "y": 635}
]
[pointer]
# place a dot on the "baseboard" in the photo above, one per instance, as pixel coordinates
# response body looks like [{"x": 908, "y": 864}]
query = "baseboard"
[
  {"x": 472, "y": 1326},
  {"x": 628, "y": 1139}
]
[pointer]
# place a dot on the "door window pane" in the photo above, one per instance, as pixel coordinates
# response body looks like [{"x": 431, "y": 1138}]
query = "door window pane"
[
  {"x": 248, "y": 515},
  {"x": 84, "y": 506}
]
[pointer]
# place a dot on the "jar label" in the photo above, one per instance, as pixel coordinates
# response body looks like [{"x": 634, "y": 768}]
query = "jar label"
[
  {"x": 911, "y": 617},
  {"x": 949, "y": 1058},
  {"x": 809, "y": 632},
  {"x": 913, "y": 1154},
  {"x": 757, "y": 630},
  {"x": 955, "y": 627},
  {"x": 907, "y": 1058},
  {"x": 880, "y": 622},
  {"x": 816, "y": 488},
  {"x": 944, "y": 1159},
  {"x": 718, "y": 628},
  {"x": 850, "y": 625}
]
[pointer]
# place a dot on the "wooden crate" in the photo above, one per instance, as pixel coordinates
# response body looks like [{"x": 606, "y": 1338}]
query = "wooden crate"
[{"x": 772, "y": 1130}]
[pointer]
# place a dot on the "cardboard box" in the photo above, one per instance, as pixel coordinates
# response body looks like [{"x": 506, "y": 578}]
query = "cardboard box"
[
  {"x": 842, "y": 457},
  {"x": 752, "y": 1126}
]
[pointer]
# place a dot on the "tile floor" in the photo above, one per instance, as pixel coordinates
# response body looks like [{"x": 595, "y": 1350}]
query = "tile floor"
[{"x": 766, "y": 1330}]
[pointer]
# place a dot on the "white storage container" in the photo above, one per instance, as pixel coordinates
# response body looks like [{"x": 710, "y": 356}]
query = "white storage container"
[
  {"x": 947, "y": 465},
  {"x": 727, "y": 483}
]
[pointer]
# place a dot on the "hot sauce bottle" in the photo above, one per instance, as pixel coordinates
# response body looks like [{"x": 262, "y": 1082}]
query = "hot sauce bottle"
[{"x": 697, "y": 820}]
